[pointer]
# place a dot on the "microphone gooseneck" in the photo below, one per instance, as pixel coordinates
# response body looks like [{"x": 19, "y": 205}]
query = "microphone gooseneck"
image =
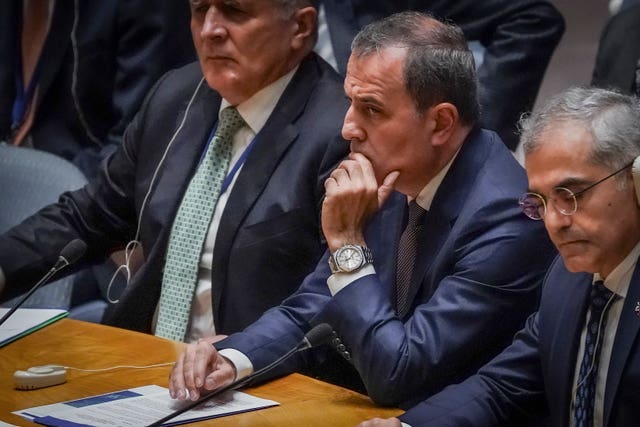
[
  {"x": 72, "y": 252},
  {"x": 318, "y": 335}
]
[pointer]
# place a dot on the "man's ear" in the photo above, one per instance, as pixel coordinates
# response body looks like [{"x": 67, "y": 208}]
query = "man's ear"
[
  {"x": 444, "y": 119},
  {"x": 305, "y": 27}
]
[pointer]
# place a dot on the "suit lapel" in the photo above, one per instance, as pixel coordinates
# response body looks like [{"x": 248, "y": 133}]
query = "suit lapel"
[
  {"x": 174, "y": 174},
  {"x": 444, "y": 211},
  {"x": 183, "y": 156},
  {"x": 570, "y": 307},
  {"x": 623, "y": 344},
  {"x": 271, "y": 144},
  {"x": 383, "y": 237}
]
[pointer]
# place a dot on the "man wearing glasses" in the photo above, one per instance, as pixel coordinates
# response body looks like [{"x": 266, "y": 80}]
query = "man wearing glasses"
[{"x": 577, "y": 361}]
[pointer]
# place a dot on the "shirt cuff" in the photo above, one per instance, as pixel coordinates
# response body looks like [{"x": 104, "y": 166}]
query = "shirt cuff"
[
  {"x": 339, "y": 281},
  {"x": 243, "y": 365},
  {"x": 405, "y": 424}
]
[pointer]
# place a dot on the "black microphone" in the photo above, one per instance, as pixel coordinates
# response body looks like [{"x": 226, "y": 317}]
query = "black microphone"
[
  {"x": 72, "y": 252},
  {"x": 318, "y": 335}
]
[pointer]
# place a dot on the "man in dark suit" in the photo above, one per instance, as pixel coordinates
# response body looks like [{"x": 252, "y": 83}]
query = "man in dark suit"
[
  {"x": 518, "y": 37},
  {"x": 577, "y": 360},
  {"x": 87, "y": 73},
  {"x": 618, "y": 58},
  {"x": 409, "y": 321},
  {"x": 264, "y": 235}
]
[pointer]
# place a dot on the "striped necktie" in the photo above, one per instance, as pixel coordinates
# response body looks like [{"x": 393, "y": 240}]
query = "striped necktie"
[
  {"x": 405, "y": 263},
  {"x": 586, "y": 386}
]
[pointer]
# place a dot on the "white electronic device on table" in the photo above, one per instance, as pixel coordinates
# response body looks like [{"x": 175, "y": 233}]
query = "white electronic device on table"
[{"x": 40, "y": 376}]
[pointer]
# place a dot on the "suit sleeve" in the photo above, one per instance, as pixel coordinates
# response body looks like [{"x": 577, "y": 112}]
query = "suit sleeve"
[
  {"x": 488, "y": 289},
  {"x": 519, "y": 37},
  {"x": 282, "y": 328},
  {"x": 508, "y": 388},
  {"x": 618, "y": 53}
]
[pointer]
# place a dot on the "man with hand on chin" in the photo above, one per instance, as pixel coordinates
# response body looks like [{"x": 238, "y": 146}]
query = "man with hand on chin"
[
  {"x": 427, "y": 274},
  {"x": 576, "y": 362}
]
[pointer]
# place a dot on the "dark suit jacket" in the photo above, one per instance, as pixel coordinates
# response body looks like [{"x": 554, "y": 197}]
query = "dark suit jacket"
[
  {"x": 535, "y": 374},
  {"x": 474, "y": 285},
  {"x": 619, "y": 52},
  {"x": 519, "y": 36},
  {"x": 269, "y": 235},
  {"x": 123, "y": 47}
]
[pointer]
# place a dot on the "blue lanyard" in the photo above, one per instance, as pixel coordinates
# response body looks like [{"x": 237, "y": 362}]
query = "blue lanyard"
[{"x": 232, "y": 173}]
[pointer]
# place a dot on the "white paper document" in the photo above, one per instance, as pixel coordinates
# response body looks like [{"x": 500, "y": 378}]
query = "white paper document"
[
  {"x": 139, "y": 407},
  {"x": 26, "y": 320}
]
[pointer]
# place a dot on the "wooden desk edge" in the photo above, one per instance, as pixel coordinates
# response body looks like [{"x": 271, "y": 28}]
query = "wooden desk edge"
[{"x": 92, "y": 346}]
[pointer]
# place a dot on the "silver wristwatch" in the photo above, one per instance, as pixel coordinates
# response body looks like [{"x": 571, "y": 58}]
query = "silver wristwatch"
[{"x": 350, "y": 258}]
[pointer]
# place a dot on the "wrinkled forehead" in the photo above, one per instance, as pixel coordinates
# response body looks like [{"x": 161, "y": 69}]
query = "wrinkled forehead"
[{"x": 560, "y": 152}]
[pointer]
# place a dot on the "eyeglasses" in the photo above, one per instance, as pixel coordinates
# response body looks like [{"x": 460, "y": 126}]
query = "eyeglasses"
[{"x": 566, "y": 201}]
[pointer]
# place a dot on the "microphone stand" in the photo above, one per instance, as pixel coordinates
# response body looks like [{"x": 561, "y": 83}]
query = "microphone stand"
[
  {"x": 68, "y": 255},
  {"x": 46, "y": 277}
]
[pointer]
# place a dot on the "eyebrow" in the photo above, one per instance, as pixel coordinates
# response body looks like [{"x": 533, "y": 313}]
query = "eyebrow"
[
  {"x": 565, "y": 183},
  {"x": 572, "y": 182},
  {"x": 368, "y": 99},
  {"x": 231, "y": 3}
]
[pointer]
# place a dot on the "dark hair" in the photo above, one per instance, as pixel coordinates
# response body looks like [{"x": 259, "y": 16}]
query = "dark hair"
[{"x": 439, "y": 66}]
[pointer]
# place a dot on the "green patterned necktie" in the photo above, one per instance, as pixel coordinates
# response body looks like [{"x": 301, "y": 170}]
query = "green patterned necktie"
[{"x": 190, "y": 228}]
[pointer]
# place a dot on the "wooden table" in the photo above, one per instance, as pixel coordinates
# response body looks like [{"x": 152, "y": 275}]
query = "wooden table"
[{"x": 303, "y": 401}]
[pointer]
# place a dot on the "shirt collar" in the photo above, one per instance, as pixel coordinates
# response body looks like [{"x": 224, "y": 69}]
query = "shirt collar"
[
  {"x": 619, "y": 279},
  {"x": 426, "y": 195},
  {"x": 256, "y": 110}
]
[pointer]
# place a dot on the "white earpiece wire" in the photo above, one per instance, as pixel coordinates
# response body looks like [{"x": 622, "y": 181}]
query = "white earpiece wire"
[{"x": 133, "y": 244}]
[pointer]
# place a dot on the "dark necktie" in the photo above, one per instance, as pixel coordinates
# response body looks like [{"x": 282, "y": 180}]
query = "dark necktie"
[
  {"x": 407, "y": 257},
  {"x": 588, "y": 376}
]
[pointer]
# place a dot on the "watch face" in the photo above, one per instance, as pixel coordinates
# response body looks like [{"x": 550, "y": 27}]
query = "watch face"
[{"x": 349, "y": 258}]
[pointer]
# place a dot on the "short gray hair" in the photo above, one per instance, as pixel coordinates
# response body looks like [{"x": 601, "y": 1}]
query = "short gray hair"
[
  {"x": 288, "y": 8},
  {"x": 612, "y": 118},
  {"x": 439, "y": 66}
]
